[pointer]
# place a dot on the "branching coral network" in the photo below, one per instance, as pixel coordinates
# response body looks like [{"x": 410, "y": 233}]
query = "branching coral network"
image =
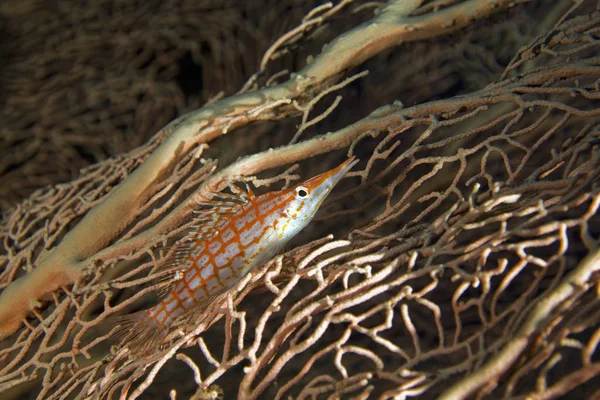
[{"x": 459, "y": 258}]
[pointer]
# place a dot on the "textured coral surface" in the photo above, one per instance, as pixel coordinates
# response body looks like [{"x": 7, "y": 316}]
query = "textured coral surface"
[{"x": 458, "y": 259}]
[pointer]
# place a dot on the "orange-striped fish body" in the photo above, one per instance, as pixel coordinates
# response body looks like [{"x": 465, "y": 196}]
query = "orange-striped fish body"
[{"x": 237, "y": 233}]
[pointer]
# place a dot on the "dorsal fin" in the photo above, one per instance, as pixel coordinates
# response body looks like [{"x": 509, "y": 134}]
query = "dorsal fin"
[{"x": 138, "y": 331}]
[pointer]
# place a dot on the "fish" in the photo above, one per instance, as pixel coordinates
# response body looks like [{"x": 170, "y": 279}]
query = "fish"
[{"x": 235, "y": 233}]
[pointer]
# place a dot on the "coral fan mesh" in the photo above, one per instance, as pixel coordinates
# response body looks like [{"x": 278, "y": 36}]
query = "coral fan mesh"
[{"x": 458, "y": 258}]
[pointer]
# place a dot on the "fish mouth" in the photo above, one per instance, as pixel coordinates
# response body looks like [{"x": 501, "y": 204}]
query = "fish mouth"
[
  {"x": 325, "y": 182},
  {"x": 342, "y": 169}
]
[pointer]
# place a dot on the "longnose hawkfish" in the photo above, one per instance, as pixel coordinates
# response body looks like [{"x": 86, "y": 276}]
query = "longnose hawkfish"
[{"x": 235, "y": 233}]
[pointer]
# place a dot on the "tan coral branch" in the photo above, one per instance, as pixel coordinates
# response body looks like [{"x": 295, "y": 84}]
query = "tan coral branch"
[
  {"x": 108, "y": 219},
  {"x": 499, "y": 364}
]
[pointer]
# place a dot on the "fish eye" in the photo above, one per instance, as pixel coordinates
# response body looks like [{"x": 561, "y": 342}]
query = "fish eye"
[{"x": 301, "y": 192}]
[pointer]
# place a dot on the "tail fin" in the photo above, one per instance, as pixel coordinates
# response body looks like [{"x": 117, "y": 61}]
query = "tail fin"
[{"x": 138, "y": 332}]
